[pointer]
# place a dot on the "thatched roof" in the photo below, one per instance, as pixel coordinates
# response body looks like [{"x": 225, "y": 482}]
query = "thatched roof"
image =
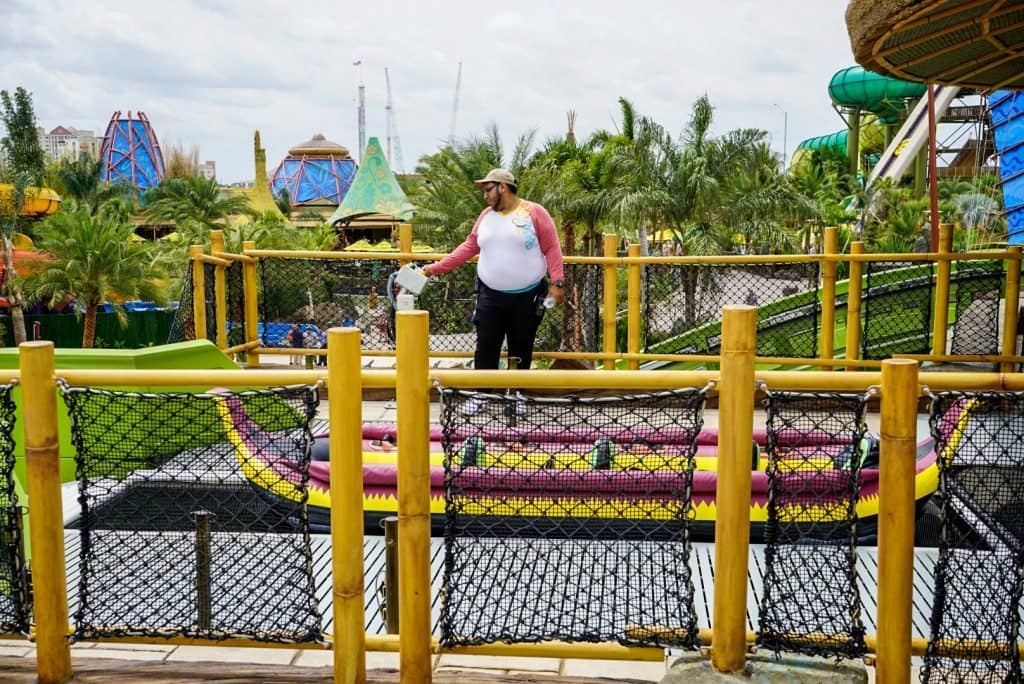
[{"x": 968, "y": 43}]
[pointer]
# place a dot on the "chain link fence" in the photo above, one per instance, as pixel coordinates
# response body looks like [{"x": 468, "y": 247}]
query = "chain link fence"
[
  {"x": 300, "y": 298},
  {"x": 897, "y": 309},
  {"x": 977, "y": 286},
  {"x": 683, "y": 304}
]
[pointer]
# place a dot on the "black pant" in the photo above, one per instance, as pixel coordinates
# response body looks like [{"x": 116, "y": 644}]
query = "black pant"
[{"x": 502, "y": 316}]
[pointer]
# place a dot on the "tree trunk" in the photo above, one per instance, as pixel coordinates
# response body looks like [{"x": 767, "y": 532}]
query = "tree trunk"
[
  {"x": 89, "y": 333},
  {"x": 10, "y": 290}
]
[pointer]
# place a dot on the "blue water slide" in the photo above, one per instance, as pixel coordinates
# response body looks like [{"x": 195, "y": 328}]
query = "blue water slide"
[{"x": 1007, "y": 107}]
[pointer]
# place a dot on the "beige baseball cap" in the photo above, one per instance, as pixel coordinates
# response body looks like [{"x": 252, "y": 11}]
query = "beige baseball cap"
[{"x": 497, "y": 176}]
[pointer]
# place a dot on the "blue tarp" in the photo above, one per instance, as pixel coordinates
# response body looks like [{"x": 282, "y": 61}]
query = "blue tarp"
[{"x": 1007, "y": 107}]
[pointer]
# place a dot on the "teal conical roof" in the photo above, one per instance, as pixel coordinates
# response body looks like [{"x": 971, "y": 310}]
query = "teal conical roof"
[{"x": 374, "y": 190}]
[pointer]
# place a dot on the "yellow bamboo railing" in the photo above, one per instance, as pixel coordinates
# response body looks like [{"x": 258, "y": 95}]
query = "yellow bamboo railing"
[{"x": 900, "y": 389}]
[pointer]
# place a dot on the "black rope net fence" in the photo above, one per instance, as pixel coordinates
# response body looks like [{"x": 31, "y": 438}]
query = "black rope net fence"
[
  {"x": 183, "y": 326},
  {"x": 975, "y": 620},
  {"x": 14, "y": 594},
  {"x": 683, "y": 304},
  {"x": 816, "y": 447},
  {"x": 897, "y": 309},
  {"x": 978, "y": 285},
  {"x": 193, "y": 519},
  {"x": 569, "y": 518}
]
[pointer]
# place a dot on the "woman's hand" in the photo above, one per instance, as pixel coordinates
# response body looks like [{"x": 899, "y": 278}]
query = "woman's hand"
[{"x": 558, "y": 293}]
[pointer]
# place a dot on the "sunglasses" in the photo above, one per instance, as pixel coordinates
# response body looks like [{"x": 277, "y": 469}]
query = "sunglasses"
[{"x": 488, "y": 188}]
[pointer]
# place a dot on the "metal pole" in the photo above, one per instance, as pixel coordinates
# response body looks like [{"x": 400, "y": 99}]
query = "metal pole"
[
  {"x": 204, "y": 600},
  {"x": 46, "y": 523},
  {"x": 344, "y": 388},
  {"x": 943, "y": 269},
  {"x": 896, "y": 519},
  {"x": 413, "y": 394},
  {"x": 391, "y": 600},
  {"x": 933, "y": 181},
  {"x": 732, "y": 520}
]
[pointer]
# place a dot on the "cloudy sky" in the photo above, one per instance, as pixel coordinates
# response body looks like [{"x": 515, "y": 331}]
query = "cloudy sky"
[{"x": 210, "y": 72}]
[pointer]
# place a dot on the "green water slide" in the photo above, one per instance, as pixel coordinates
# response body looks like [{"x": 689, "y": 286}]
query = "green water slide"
[
  {"x": 885, "y": 97},
  {"x": 871, "y": 102}
]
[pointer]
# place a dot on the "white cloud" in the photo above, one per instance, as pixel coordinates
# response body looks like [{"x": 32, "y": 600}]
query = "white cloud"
[{"x": 210, "y": 73}]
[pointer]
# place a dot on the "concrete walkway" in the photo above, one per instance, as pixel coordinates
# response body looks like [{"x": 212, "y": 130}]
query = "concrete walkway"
[{"x": 19, "y": 655}]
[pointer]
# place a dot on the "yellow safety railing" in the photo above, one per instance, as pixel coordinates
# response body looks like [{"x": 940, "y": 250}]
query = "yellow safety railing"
[
  {"x": 632, "y": 356},
  {"x": 728, "y": 637}
]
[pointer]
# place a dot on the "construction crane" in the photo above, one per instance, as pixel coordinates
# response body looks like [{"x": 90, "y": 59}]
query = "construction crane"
[
  {"x": 392, "y": 129},
  {"x": 455, "y": 107},
  {"x": 362, "y": 109}
]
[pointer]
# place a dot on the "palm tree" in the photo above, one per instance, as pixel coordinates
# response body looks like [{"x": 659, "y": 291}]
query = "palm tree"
[
  {"x": 93, "y": 259},
  {"x": 192, "y": 201},
  {"x": 80, "y": 180},
  {"x": 448, "y": 203},
  {"x": 25, "y": 161}
]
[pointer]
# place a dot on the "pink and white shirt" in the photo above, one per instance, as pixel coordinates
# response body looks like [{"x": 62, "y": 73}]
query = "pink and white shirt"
[{"x": 516, "y": 248}]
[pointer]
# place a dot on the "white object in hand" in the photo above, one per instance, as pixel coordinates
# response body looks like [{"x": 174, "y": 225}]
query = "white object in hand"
[{"x": 549, "y": 302}]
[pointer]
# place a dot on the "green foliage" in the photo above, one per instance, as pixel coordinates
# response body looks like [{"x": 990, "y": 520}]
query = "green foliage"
[
  {"x": 93, "y": 259},
  {"x": 22, "y": 151},
  {"x": 194, "y": 204},
  {"x": 79, "y": 179}
]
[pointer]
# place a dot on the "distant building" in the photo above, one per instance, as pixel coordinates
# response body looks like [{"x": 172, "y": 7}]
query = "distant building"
[
  {"x": 208, "y": 170},
  {"x": 67, "y": 142}
]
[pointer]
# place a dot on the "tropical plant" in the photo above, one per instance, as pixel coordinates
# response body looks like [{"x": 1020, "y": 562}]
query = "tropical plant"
[
  {"x": 448, "y": 202},
  {"x": 79, "y": 179},
  {"x": 93, "y": 259},
  {"x": 193, "y": 203},
  {"x": 25, "y": 161}
]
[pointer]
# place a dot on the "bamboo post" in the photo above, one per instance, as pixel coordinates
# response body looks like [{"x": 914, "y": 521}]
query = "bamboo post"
[
  {"x": 405, "y": 239},
  {"x": 220, "y": 292},
  {"x": 345, "y": 411},
  {"x": 252, "y": 309},
  {"x": 413, "y": 395},
  {"x": 732, "y": 495},
  {"x": 1011, "y": 301},
  {"x": 853, "y": 301},
  {"x": 609, "y": 306},
  {"x": 198, "y": 293},
  {"x": 828, "y": 296},
  {"x": 943, "y": 270},
  {"x": 633, "y": 315},
  {"x": 46, "y": 524},
  {"x": 896, "y": 519}
]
